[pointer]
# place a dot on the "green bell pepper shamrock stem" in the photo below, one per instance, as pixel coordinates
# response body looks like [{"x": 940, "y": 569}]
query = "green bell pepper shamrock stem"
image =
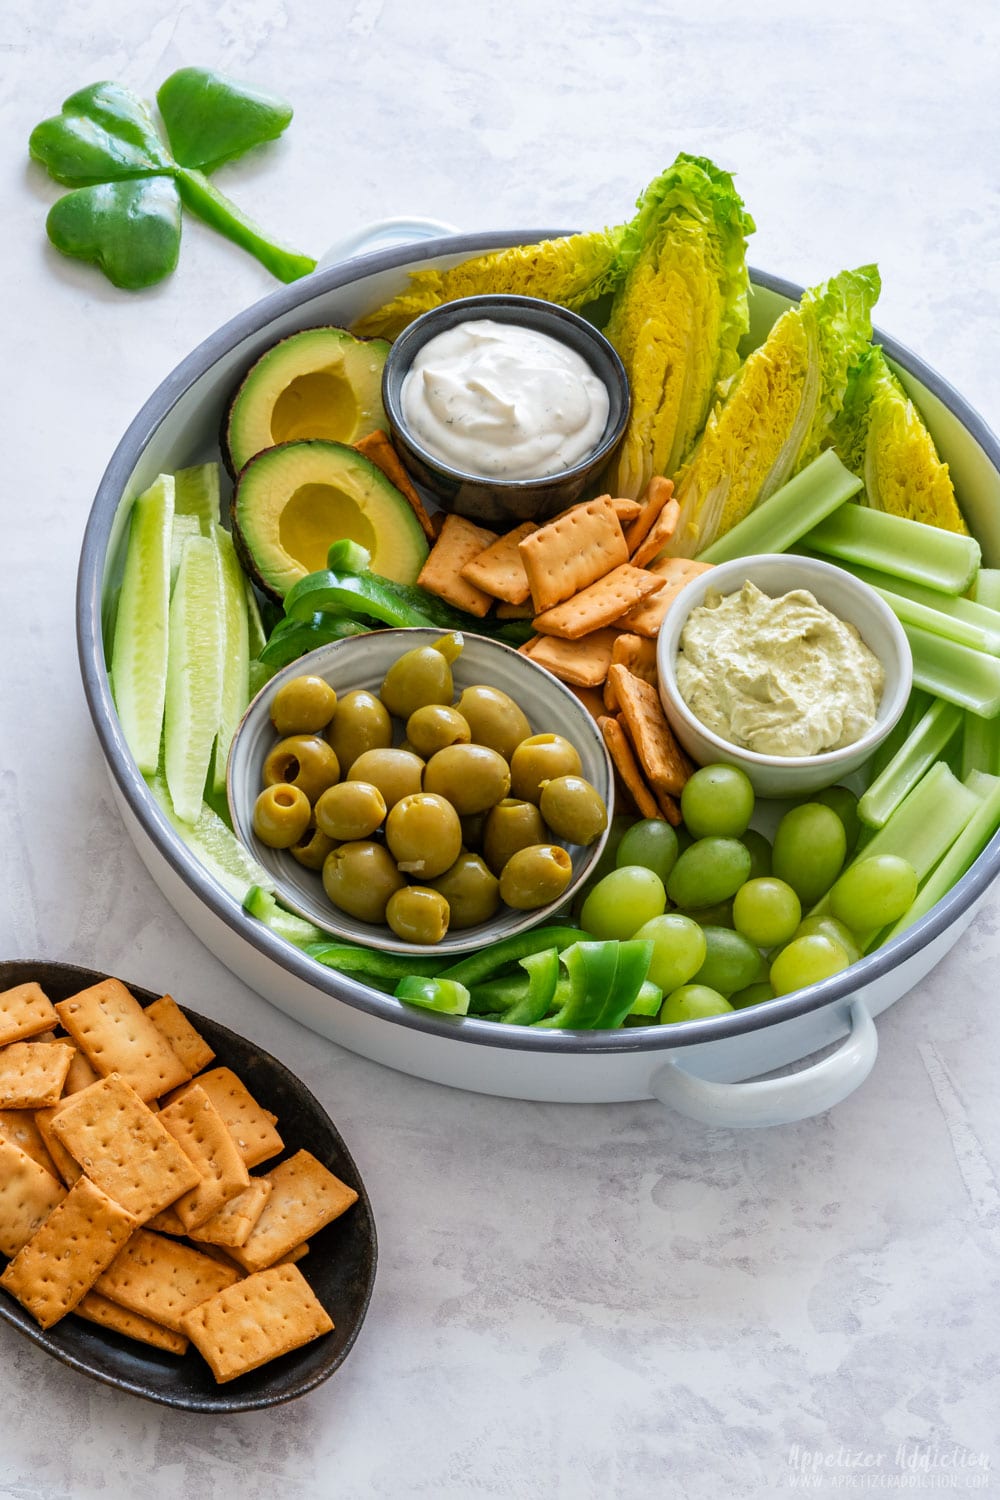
[
  {"x": 219, "y": 212},
  {"x": 443, "y": 995}
]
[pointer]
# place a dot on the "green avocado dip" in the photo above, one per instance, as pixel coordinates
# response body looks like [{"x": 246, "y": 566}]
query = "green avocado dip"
[{"x": 779, "y": 676}]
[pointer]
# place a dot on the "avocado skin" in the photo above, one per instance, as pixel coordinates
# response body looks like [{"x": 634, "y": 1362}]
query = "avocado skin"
[{"x": 339, "y": 462}]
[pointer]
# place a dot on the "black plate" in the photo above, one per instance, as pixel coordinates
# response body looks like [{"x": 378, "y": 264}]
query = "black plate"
[{"x": 340, "y": 1266}]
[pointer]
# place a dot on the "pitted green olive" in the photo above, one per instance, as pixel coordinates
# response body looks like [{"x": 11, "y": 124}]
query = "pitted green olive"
[
  {"x": 535, "y": 876},
  {"x": 541, "y": 757},
  {"x": 471, "y": 890},
  {"x": 302, "y": 760},
  {"x": 417, "y": 914},
  {"x": 304, "y": 705},
  {"x": 424, "y": 835},
  {"x": 350, "y": 810},
  {"x": 471, "y": 777},
  {"x": 434, "y": 726},
  {"x": 359, "y": 878},
  {"x": 494, "y": 719},
  {"x": 312, "y": 848},
  {"x": 420, "y": 677},
  {"x": 360, "y": 722},
  {"x": 396, "y": 773},
  {"x": 510, "y": 826},
  {"x": 573, "y": 809},
  {"x": 281, "y": 815}
]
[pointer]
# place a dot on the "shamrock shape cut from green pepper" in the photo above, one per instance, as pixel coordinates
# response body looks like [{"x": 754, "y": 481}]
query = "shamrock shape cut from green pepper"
[{"x": 124, "y": 211}]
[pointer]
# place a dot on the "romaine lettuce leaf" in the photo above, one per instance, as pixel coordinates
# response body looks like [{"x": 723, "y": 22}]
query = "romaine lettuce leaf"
[
  {"x": 679, "y": 314},
  {"x": 777, "y": 413},
  {"x": 881, "y": 437}
]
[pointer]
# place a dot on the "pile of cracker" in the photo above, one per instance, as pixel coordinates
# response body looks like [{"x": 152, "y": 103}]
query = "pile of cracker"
[
  {"x": 595, "y": 589},
  {"x": 125, "y": 1190}
]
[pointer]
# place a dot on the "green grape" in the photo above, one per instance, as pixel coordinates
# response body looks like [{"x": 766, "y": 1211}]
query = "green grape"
[
  {"x": 691, "y": 1002},
  {"x": 831, "y": 928},
  {"x": 845, "y": 805},
  {"x": 766, "y": 911},
  {"x": 806, "y": 961},
  {"x": 873, "y": 892},
  {"x": 623, "y": 901},
  {"x": 809, "y": 849},
  {"x": 679, "y": 949},
  {"x": 651, "y": 842},
  {"x": 712, "y": 870},
  {"x": 606, "y": 862},
  {"x": 731, "y": 961},
  {"x": 717, "y": 800},
  {"x": 719, "y": 915},
  {"x": 754, "y": 994},
  {"x": 760, "y": 853}
]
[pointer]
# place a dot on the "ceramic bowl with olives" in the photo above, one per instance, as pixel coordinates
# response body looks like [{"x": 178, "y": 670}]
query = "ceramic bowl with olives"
[{"x": 420, "y": 789}]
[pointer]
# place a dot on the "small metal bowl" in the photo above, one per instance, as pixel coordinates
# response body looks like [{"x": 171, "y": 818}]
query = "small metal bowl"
[
  {"x": 361, "y": 662},
  {"x": 506, "y": 501},
  {"x": 845, "y": 596}
]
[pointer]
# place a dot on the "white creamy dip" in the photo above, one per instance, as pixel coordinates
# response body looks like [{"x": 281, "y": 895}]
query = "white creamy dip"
[
  {"x": 504, "y": 402},
  {"x": 779, "y": 676}
]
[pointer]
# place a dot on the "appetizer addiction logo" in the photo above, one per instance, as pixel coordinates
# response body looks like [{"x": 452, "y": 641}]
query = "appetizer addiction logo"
[{"x": 907, "y": 1467}]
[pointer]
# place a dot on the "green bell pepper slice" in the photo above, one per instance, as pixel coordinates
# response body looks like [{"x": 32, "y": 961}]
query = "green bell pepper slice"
[
  {"x": 488, "y": 962},
  {"x": 443, "y": 995}
]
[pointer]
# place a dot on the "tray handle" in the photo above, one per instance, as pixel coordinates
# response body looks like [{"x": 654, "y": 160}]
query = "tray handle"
[
  {"x": 381, "y": 234},
  {"x": 774, "y": 1101}
]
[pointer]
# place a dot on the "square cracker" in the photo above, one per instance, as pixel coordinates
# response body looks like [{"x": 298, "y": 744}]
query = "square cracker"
[
  {"x": 256, "y": 1320},
  {"x": 305, "y": 1197},
  {"x": 202, "y": 1134},
  {"x": 251, "y": 1127},
  {"x": 627, "y": 766},
  {"x": 163, "y": 1279},
  {"x": 659, "y": 493},
  {"x": 81, "y": 1075},
  {"x": 572, "y": 552},
  {"x": 32, "y": 1076},
  {"x": 460, "y": 541},
  {"x": 602, "y": 603},
  {"x": 581, "y": 663},
  {"x": 68, "y": 1167},
  {"x": 639, "y": 655},
  {"x": 660, "y": 535},
  {"x": 110, "y": 1026},
  {"x": 101, "y": 1310},
  {"x": 499, "y": 569},
  {"x": 665, "y": 764},
  {"x": 190, "y": 1046},
  {"x": 64, "y": 1257},
  {"x": 234, "y": 1222},
  {"x": 25, "y": 1011},
  {"x": 646, "y": 618},
  {"x": 122, "y": 1146},
  {"x": 18, "y": 1126},
  {"x": 28, "y": 1194}
]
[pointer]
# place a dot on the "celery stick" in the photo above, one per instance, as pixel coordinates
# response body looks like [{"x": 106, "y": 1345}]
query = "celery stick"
[
  {"x": 214, "y": 845},
  {"x": 779, "y": 522},
  {"x": 198, "y": 495},
  {"x": 194, "y": 675},
  {"x": 916, "y": 706},
  {"x": 183, "y": 527},
  {"x": 924, "y": 554},
  {"x": 916, "y": 755},
  {"x": 139, "y": 652},
  {"x": 981, "y": 745},
  {"x": 235, "y": 693},
  {"x": 966, "y": 848},
  {"x": 980, "y": 616},
  {"x": 969, "y": 678},
  {"x": 986, "y": 590}
]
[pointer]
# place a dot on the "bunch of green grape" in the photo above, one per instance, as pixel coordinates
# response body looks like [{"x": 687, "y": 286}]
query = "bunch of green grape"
[{"x": 734, "y": 919}]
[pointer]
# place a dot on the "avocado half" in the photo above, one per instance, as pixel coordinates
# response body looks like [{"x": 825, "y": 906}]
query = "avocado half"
[
  {"x": 292, "y": 501},
  {"x": 319, "y": 383}
]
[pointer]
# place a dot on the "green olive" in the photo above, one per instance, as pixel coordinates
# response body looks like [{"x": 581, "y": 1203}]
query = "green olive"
[
  {"x": 359, "y": 877},
  {"x": 312, "y": 848},
  {"x": 350, "y": 810},
  {"x": 304, "y": 705},
  {"x": 434, "y": 726},
  {"x": 424, "y": 835},
  {"x": 535, "y": 876},
  {"x": 510, "y": 826},
  {"x": 471, "y": 777},
  {"x": 281, "y": 815},
  {"x": 541, "y": 757},
  {"x": 417, "y": 914},
  {"x": 573, "y": 809},
  {"x": 360, "y": 723},
  {"x": 420, "y": 677},
  {"x": 396, "y": 773},
  {"x": 494, "y": 719},
  {"x": 302, "y": 760},
  {"x": 471, "y": 890}
]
